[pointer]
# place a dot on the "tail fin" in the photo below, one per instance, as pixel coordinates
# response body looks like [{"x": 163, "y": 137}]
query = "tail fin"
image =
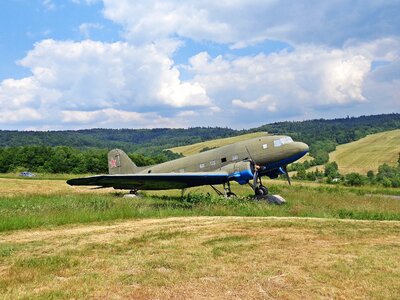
[{"x": 120, "y": 163}]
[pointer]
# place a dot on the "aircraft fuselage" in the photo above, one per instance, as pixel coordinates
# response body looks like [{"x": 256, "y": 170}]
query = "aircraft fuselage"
[{"x": 270, "y": 151}]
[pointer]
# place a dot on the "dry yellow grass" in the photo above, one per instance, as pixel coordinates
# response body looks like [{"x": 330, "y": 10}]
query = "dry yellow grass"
[
  {"x": 196, "y": 148},
  {"x": 305, "y": 158},
  {"x": 14, "y": 187},
  {"x": 368, "y": 153},
  {"x": 203, "y": 258}
]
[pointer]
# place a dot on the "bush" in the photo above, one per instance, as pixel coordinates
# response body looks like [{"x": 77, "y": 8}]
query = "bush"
[{"x": 354, "y": 179}]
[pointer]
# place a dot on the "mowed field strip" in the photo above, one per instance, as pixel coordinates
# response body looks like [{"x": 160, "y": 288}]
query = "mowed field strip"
[
  {"x": 196, "y": 148},
  {"x": 203, "y": 258},
  {"x": 64, "y": 242},
  {"x": 368, "y": 153}
]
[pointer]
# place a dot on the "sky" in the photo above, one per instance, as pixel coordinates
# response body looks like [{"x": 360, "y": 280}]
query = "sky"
[{"x": 77, "y": 64}]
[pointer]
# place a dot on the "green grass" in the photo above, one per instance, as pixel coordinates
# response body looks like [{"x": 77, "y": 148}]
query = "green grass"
[
  {"x": 134, "y": 248},
  {"x": 31, "y": 211},
  {"x": 368, "y": 153},
  {"x": 43, "y": 176}
]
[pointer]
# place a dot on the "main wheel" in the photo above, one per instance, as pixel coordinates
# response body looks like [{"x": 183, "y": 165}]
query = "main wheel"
[{"x": 261, "y": 191}]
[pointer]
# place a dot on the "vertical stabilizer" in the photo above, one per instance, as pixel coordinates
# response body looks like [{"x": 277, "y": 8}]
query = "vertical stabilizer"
[{"x": 120, "y": 163}]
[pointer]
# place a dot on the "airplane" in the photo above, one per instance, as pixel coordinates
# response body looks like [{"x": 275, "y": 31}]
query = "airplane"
[{"x": 242, "y": 162}]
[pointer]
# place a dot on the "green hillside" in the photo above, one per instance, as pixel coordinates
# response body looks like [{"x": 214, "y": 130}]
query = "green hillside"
[
  {"x": 368, "y": 153},
  {"x": 82, "y": 150},
  {"x": 145, "y": 141}
]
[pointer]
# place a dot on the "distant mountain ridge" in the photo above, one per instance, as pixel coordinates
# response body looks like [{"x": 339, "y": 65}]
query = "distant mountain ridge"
[{"x": 322, "y": 135}]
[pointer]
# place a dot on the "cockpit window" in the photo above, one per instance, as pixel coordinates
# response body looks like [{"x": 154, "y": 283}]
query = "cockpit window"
[{"x": 282, "y": 141}]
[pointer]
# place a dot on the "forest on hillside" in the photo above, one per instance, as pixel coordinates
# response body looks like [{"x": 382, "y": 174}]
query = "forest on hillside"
[
  {"x": 149, "y": 141},
  {"x": 324, "y": 135},
  {"x": 84, "y": 151}
]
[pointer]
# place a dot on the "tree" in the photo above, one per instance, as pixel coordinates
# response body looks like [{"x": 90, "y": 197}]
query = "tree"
[
  {"x": 354, "y": 179},
  {"x": 301, "y": 172},
  {"x": 331, "y": 170}
]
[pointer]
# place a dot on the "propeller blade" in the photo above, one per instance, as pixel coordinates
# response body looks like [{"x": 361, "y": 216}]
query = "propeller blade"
[
  {"x": 255, "y": 177},
  {"x": 255, "y": 170},
  {"x": 287, "y": 174},
  {"x": 251, "y": 158}
]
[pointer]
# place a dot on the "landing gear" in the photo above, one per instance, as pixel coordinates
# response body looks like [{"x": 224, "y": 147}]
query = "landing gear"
[
  {"x": 133, "y": 192},
  {"x": 227, "y": 190},
  {"x": 261, "y": 191}
]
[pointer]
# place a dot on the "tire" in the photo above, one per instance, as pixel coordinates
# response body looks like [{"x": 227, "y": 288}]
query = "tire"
[
  {"x": 264, "y": 189},
  {"x": 261, "y": 191}
]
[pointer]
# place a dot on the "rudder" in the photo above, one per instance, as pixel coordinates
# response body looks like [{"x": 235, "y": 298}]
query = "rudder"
[{"x": 120, "y": 163}]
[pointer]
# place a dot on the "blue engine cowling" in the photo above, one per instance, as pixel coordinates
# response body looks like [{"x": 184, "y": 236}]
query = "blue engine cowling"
[{"x": 240, "y": 171}]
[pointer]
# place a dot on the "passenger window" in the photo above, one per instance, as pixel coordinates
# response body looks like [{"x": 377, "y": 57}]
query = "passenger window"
[
  {"x": 265, "y": 146},
  {"x": 235, "y": 157},
  {"x": 223, "y": 159},
  {"x": 212, "y": 163},
  {"x": 277, "y": 143},
  {"x": 202, "y": 166},
  {"x": 283, "y": 141}
]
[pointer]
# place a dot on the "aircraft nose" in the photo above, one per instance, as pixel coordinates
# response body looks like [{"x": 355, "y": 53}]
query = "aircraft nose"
[{"x": 303, "y": 147}]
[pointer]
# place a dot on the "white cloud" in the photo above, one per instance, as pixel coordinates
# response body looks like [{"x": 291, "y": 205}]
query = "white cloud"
[
  {"x": 48, "y": 5},
  {"x": 111, "y": 117},
  {"x": 307, "y": 79},
  {"x": 136, "y": 81},
  {"x": 187, "y": 114},
  {"x": 246, "y": 22},
  {"x": 85, "y": 28},
  {"x": 20, "y": 115},
  {"x": 98, "y": 84},
  {"x": 96, "y": 74},
  {"x": 261, "y": 103},
  {"x": 91, "y": 76},
  {"x": 87, "y": 2}
]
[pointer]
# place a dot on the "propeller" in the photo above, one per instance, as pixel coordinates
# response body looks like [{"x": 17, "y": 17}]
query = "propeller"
[
  {"x": 286, "y": 174},
  {"x": 255, "y": 169},
  {"x": 255, "y": 177}
]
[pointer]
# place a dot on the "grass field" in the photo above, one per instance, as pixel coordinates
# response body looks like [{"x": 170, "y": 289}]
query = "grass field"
[
  {"x": 368, "y": 153},
  {"x": 196, "y": 148},
  {"x": 67, "y": 242},
  {"x": 203, "y": 258},
  {"x": 46, "y": 203}
]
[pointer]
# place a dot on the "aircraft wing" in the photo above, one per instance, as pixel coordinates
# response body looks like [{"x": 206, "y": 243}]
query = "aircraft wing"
[{"x": 153, "y": 181}]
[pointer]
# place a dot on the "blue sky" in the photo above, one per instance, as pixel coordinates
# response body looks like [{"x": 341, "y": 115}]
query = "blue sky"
[{"x": 89, "y": 63}]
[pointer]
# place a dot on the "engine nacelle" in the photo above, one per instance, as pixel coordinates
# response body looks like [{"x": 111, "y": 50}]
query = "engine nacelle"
[{"x": 241, "y": 171}]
